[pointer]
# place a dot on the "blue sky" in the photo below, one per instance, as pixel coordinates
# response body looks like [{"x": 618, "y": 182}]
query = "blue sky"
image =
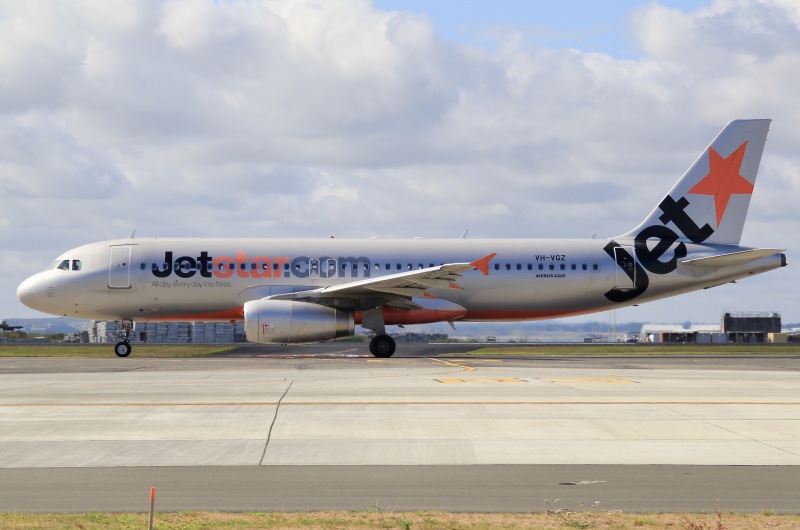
[{"x": 589, "y": 26}]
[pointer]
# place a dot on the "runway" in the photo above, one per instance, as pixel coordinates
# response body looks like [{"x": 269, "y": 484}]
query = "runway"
[{"x": 331, "y": 430}]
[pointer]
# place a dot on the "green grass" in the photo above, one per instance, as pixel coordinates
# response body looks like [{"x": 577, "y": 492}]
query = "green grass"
[
  {"x": 387, "y": 520},
  {"x": 549, "y": 350},
  {"x": 107, "y": 350}
]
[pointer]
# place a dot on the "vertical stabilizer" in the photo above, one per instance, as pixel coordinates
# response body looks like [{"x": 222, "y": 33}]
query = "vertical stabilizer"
[{"x": 709, "y": 203}]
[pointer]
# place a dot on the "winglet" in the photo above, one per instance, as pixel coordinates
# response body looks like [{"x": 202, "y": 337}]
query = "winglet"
[{"x": 483, "y": 263}]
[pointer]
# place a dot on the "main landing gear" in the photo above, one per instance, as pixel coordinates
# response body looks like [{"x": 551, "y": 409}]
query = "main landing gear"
[
  {"x": 382, "y": 346},
  {"x": 123, "y": 347}
]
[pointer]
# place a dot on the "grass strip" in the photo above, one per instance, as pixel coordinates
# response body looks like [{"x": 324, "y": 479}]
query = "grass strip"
[{"x": 378, "y": 519}]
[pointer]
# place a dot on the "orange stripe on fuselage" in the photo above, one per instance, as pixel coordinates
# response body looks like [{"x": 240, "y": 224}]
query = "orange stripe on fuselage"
[
  {"x": 519, "y": 316},
  {"x": 394, "y": 316},
  {"x": 229, "y": 315}
]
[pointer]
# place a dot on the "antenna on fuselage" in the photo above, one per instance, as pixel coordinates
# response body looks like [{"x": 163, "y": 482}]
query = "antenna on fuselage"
[
  {"x": 464, "y": 235},
  {"x": 133, "y": 234}
]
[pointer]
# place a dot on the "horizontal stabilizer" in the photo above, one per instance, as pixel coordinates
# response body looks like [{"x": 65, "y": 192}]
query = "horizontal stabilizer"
[{"x": 729, "y": 260}]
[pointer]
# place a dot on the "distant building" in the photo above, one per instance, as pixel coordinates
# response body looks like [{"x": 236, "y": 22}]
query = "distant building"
[
  {"x": 677, "y": 333},
  {"x": 733, "y": 327},
  {"x": 750, "y": 327},
  {"x": 167, "y": 332}
]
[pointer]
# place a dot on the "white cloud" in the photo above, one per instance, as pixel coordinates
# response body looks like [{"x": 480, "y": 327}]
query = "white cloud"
[{"x": 303, "y": 118}]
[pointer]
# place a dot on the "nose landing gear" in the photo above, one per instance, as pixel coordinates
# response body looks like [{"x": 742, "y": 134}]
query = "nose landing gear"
[{"x": 123, "y": 347}]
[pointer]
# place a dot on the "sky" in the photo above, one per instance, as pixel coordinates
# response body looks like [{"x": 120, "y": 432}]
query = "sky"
[{"x": 353, "y": 118}]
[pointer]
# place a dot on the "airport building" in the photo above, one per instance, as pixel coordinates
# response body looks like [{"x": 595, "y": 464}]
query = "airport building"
[
  {"x": 168, "y": 332},
  {"x": 733, "y": 327}
]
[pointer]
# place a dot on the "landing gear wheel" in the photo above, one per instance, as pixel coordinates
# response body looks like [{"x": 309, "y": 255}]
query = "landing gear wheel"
[
  {"x": 122, "y": 349},
  {"x": 382, "y": 346}
]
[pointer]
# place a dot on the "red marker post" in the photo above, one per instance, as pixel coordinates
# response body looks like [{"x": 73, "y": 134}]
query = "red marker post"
[{"x": 152, "y": 506}]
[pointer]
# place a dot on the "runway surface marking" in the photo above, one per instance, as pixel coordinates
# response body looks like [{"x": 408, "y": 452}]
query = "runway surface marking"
[
  {"x": 591, "y": 380},
  {"x": 483, "y": 380},
  {"x": 456, "y": 364}
]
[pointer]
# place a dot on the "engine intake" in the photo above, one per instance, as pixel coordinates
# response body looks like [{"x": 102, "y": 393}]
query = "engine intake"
[{"x": 284, "y": 321}]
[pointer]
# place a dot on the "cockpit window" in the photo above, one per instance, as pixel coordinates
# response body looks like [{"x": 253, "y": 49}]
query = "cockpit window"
[{"x": 63, "y": 264}]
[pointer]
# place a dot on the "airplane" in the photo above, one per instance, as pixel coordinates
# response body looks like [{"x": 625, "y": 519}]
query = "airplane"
[
  {"x": 5, "y": 327},
  {"x": 310, "y": 290}
]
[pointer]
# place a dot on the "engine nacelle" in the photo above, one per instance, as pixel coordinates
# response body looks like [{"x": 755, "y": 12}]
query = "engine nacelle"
[{"x": 284, "y": 321}]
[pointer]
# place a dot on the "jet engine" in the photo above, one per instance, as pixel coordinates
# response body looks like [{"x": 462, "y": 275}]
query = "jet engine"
[{"x": 284, "y": 321}]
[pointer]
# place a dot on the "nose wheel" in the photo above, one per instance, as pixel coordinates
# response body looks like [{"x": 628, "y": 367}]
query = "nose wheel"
[{"x": 123, "y": 347}]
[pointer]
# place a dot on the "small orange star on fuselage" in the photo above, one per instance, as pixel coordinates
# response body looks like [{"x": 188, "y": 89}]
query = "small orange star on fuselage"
[{"x": 723, "y": 179}]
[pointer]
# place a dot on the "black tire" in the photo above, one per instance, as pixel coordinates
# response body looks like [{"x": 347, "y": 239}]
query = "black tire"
[
  {"x": 122, "y": 349},
  {"x": 382, "y": 346}
]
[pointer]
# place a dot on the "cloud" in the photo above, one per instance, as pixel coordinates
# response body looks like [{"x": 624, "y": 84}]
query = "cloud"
[{"x": 304, "y": 118}]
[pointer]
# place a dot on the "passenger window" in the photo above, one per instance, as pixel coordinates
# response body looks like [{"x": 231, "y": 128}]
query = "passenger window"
[
  {"x": 574, "y": 267},
  {"x": 563, "y": 266},
  {"x": 497, "y": 266},
  {"x": 530, "y": 267},
  {"x": 584, "y": 267},
  {"x": 519, "y": 266},
  {"x": 595, "y": 267},
  {"x": 143, "y": 266},
  {"x": 541, "y": 266},
  {"x": 552, "y": 266}
]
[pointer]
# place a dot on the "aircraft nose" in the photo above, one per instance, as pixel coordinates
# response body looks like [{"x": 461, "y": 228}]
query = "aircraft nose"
[{"x": 26, "y": 292}]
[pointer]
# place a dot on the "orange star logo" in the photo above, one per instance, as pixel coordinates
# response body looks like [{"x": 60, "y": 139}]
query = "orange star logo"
[{"x": 723, "y": 179}]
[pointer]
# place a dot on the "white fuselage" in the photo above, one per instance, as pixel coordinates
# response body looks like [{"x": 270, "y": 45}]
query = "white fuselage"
[{"x": 211, "y": 279}]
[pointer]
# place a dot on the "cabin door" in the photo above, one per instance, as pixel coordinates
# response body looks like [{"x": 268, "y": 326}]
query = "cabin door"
[
  {"x": 625, "y": 273},
  {"x": 119, "y": 268}
]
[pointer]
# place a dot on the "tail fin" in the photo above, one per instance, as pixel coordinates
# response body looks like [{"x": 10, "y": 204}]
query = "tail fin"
[{"x": 709, "y": 203}]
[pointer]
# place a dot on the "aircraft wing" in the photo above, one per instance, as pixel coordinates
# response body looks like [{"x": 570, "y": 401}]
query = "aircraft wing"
[{"x": 396, "y": 289}]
